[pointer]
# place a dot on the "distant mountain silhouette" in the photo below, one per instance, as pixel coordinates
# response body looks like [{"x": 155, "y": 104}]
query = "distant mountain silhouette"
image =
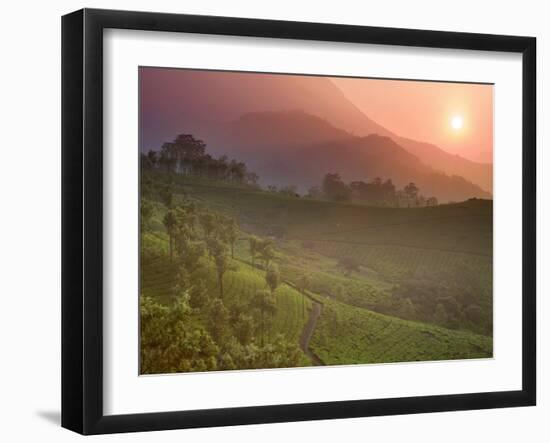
[
  {"x": 196, "y": 101},
  {"x": 283, "y": 128},
  {"x": 238, "y": 112},
  {"x": 304, "y": 147},
  {"x": 479, "y": 173}
]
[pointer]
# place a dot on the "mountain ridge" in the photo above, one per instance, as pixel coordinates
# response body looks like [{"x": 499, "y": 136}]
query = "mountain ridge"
[{"x": 206, "y": 103}]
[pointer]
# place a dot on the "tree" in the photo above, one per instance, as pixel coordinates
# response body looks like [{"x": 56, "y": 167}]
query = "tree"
[
  {"x": 190, "y": 252},
  {"x": 273, "y": 278},
  {"x": 252, "y": 179},
  {"x": 230, "y": 233},
  {"x": 181, "y": 155},
  {"x": 411, "y": 192},
  {"x": 265, "y": 302},
  {"x": 348, "y": 264},
  {"x": 290, "y": 190},
  {"x": 169, "y": 340},
  {"x": 166, "y": 194},
  {"x": 266, "y": 251},
  {"x": 244, "y": 328},
  {"x": 208, "y": 222},
  {"x": 388, "y": 192},
  {"x": 218, "y": 252},
  {"x": 314, "y": 193},
  {"x": 187, "y": 219},
  {"x": 153, "y": 158},
  {"x": 335, "y": 189},
  {"x": 198, "y": 295},
  {"x": 218, "y": 320},
  {"x": 145, "y": 212},
  {"x": 431, "y": 201},
  {"x": 170, "y": 224},
  {"x": 253, "y": 242},
  {"x": 303, "y": 283}
]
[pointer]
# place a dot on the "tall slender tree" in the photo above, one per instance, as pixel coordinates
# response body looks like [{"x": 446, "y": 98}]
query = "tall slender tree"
[
  {"x": 170, "y": 224},
  {"x": 230, "y": 233},
  {"x": 218, "y": 251},
  {"x": 253, "y": 243}
]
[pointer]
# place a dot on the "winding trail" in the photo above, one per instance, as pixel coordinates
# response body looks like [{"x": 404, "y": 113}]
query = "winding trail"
[
  {"x": 309, "y": 328},
  {"x": 307, "y": 333}
]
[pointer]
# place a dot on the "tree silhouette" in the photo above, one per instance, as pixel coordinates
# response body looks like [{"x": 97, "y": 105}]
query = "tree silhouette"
[
  {"x": 431, "y": 201},
  {"x": 411, "y": 192},
  {"x": 335, "y": 189},
  {"x": 180, "y": 155}
]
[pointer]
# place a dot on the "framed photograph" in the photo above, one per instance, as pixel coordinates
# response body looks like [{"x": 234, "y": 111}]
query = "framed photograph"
[{"x": 269, "y": 221}]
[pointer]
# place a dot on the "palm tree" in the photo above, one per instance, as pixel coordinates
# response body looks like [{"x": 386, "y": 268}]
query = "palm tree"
[
  {"x": 253, "y": 242},
  {"x": 266, "y": 251},
  {"x": 230, "y": 232},
  {"x": 218, "y": 251}
]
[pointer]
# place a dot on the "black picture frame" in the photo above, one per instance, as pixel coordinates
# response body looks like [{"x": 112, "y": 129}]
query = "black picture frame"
[{"x": 82, "y": 218}]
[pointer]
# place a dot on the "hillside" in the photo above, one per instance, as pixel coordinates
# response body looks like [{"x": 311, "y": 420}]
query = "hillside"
[{"x": 391, "y": 308}]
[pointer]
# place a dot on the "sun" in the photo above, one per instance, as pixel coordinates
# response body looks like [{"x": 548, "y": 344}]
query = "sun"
[{"x": 457, "y": 122}]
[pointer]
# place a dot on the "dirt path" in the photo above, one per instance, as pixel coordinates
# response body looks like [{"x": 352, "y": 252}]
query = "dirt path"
[{"x": 307, "y": 333}]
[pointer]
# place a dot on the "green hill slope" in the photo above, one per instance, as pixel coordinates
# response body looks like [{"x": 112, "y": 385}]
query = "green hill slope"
[{"x": 348, "y": 335}]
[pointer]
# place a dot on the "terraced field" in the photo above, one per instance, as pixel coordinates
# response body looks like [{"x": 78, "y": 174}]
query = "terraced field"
[
  {"x": 398, "y": 262},
  {"x": 240, "y": 286},
  {"x": 347, "y": 335},
  {"x": 395, "y": 249}
]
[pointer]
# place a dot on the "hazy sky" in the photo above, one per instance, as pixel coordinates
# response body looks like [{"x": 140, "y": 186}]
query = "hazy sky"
[
  {"x": 457, "y": 117},
  {"x": 425, "y": 111}
]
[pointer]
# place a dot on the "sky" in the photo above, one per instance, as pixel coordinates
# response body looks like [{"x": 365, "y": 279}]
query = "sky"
[
  {"x": 457, "y": 117},
  {"x": 426, "y": 111}
]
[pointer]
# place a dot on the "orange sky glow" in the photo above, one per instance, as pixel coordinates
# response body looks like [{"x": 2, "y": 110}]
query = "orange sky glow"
[{"x": 424, "y": 111}]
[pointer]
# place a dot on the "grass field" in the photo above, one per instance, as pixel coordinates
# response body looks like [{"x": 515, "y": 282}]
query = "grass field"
[
  {"x": 347, "y": 335},
  {"x": 425, "y": 257}
]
